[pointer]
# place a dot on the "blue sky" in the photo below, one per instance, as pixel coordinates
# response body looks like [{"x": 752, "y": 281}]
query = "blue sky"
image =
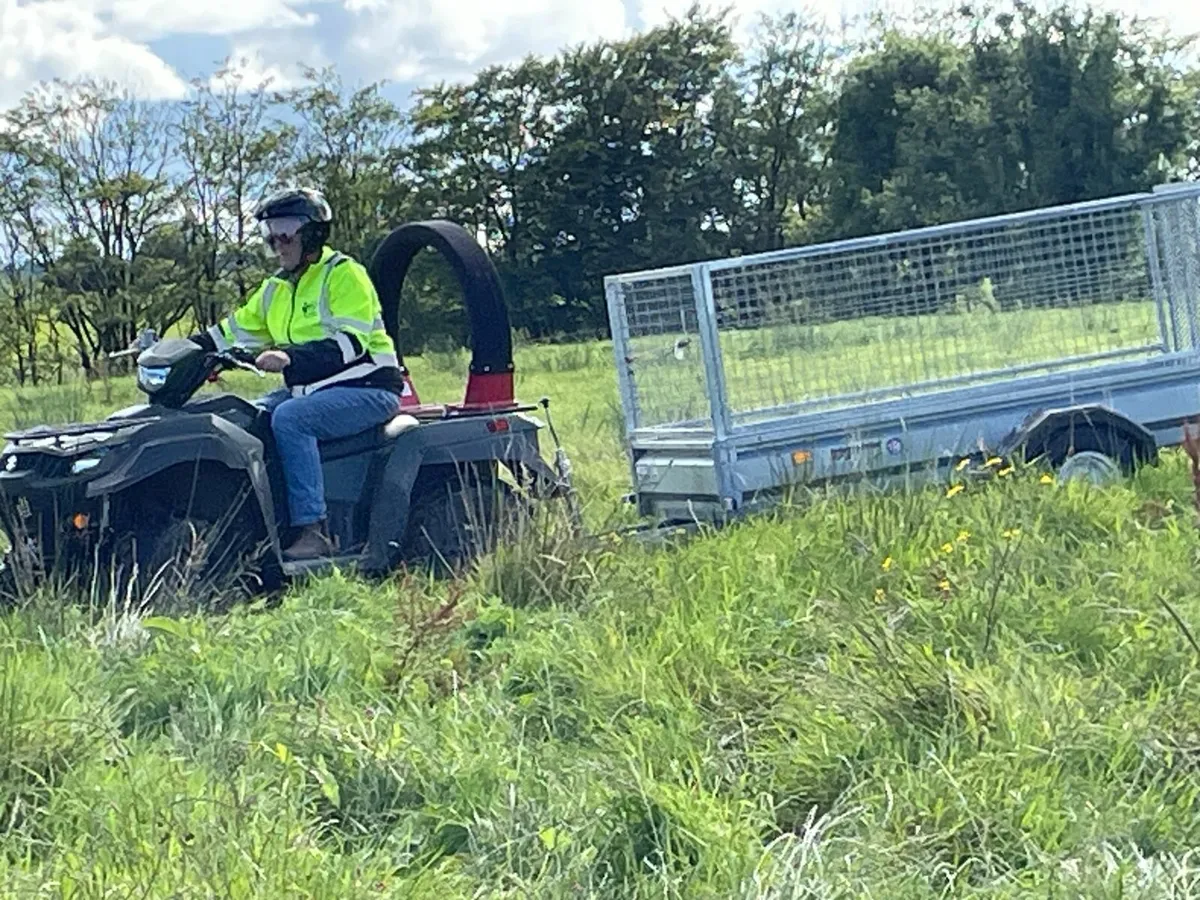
[{"x": 157, "y": 46}]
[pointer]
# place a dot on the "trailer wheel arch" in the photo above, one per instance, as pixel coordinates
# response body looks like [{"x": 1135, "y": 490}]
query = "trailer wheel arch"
[{"x": 1056, "y": 435}]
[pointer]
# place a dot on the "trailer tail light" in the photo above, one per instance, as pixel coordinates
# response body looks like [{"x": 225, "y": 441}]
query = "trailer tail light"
[{"x": 495, "y": 425}]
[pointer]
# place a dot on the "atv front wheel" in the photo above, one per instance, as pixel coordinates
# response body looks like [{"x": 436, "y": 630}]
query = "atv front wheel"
[{"x": 187, "y": 563}]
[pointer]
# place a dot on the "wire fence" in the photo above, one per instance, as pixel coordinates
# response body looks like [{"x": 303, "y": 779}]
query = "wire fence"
[{"x": 914, "y": 312}]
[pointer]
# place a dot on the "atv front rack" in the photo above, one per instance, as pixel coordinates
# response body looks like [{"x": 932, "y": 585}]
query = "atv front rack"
[{"x": 74, "y": 429}]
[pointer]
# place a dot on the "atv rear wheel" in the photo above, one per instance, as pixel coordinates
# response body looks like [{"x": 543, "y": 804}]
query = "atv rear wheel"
[{"x": 457, "y": 519}]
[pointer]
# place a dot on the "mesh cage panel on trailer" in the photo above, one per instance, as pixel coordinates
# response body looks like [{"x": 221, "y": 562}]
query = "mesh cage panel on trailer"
[
  {"x": 893, "y": 316},
  {"x": 1173, "y": 230},
  {"x": 909, "y": 314},
  {"x": 658, "y": 351}
]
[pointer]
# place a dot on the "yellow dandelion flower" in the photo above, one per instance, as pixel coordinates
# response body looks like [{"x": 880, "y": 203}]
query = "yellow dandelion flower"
[
  {"x": 963, "y": 536},
  {"x": 886, "y": 564},
  {"x": 956, "y": 489},
  {"x": 944, "y": 584},
  {"x": 1011, "y": 533},
  {"x": 879, "y": 593},
  {"x": 947, "y": 547}
]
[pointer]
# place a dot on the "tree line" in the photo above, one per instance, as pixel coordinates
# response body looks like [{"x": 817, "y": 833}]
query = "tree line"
[{"x": 673, "y": 145}]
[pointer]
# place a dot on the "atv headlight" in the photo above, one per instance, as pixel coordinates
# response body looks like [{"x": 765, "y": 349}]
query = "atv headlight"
[
  {"x": 93, "y": 459},
  {"x": 151, "y": 378}
]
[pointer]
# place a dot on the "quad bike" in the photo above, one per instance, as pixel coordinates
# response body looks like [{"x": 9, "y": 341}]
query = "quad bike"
[{"x": 197, "y": 478}]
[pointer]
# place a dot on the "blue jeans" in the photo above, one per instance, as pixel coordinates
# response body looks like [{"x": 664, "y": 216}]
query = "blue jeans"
[{"x": 299, "y": 422}]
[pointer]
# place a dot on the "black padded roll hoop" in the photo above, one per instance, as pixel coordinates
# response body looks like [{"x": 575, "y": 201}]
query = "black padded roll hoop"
[{"x": 483, "y": 297}]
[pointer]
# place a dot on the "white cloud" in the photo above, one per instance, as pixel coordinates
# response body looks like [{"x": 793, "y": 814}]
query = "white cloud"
[
  {"x": 256, "y": 61},
  {"x": 46, "y": 39},
  {"x": 62, "y": 39},
  {"x": 428, "y": 39},
  {"x": 149, "y": 19}
]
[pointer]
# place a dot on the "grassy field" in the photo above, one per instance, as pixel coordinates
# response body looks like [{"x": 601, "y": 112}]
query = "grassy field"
[{"x": 991, "y": 693}]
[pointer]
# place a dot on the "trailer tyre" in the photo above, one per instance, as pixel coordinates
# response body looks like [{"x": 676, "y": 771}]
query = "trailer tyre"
[
  {"x": 1091, "y": 466},
  {"x": 1099, "y": 455}
]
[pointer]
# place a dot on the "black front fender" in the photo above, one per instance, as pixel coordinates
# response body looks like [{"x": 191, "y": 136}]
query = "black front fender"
[{"x": 188, "y": 440}]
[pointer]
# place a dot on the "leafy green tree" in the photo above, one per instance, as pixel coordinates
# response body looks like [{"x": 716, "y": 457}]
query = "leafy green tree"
[
  {"x": 774, "y": 124},
  {"x": 479, "y": 153},
  {"x": 231, "y": 150},
  {"x": 1031, "y": 109},
  {"x": 100, "y": 160},
  {"x": 636, "y": 178},
  {"x": 349, "y": 144},
  {"x": 1106, "y": 111},
  {"x": 26, "y": 318}
]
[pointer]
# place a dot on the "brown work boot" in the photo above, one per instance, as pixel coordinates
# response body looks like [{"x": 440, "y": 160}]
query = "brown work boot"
[{"x": 313, "y": 543}]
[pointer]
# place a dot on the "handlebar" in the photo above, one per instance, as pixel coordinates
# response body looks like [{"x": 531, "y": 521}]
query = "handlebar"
[
  {"x": 233, "y": 357},
  {"x": 237, "y": 358}
]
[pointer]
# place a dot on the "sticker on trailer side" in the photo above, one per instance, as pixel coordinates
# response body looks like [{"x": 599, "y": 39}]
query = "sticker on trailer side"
[{"x": 855, "y": 452}]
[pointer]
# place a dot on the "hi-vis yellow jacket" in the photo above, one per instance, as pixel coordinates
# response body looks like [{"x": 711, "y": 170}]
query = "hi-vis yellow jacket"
[{"x": 329, "y": 322}]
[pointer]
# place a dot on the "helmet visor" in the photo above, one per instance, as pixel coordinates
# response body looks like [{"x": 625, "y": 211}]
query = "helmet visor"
[{"x": 282, "y": 230}]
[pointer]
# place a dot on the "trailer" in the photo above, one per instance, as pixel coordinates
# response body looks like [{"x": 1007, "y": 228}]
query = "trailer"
[{"x": 1066, "y": 334}]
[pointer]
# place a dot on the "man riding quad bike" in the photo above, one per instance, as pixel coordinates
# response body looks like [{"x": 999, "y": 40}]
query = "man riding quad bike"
[
  {"x": 320, "y": 319},
  {"x": 342, "y": 465}
]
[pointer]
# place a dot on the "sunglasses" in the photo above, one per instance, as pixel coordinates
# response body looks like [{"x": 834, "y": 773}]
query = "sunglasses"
[{"x": 281, "y": 231}]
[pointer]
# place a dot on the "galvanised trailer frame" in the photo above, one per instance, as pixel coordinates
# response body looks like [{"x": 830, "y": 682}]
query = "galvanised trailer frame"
[{"x": 1068, "y": 332}]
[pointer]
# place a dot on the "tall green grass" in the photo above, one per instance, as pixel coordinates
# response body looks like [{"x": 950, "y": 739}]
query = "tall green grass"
[{"x": 903, "y": 695}]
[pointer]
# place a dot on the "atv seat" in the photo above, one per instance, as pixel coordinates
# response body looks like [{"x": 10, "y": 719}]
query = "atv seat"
[{"x": 372, "y": 438}]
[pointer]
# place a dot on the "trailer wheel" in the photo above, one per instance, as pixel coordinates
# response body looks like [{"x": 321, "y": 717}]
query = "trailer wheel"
[
  {"x": 1091, "y": 466},
  {"x": 1090, "y": 442},
  {"x": 1096, "y": 454}
]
